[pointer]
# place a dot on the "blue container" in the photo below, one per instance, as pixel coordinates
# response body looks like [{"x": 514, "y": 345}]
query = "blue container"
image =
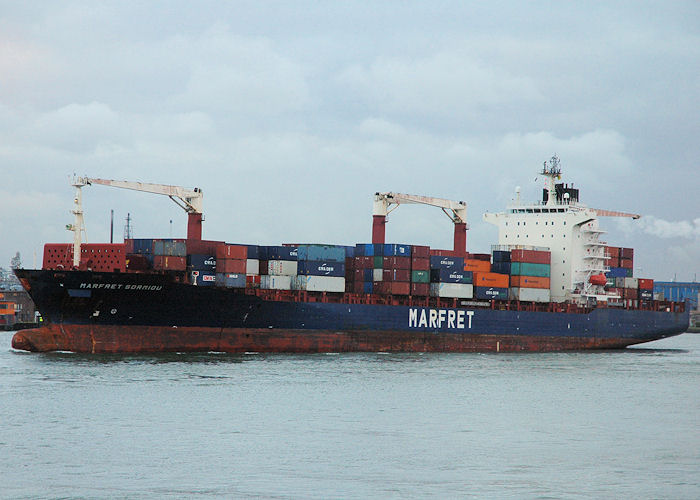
[
  {"x": 617, "y": 272},
  {"x": 501, "y": 256},
  {"x": 368, "y": 287},
  {"x": 368, "y": 275},
  {"x": 368, "y": 250},
  {"x": 500, "y": 267},
  {"x": 396, "y": 250},
  {"x": 328, "y": 253},
  {"x": 437, "y": 262},
  {"x": 451, "y": 275},
  {"x": 320, "y": 268},
  {"x": 278, "y": 253},
  {"x": 229, "y": 280},
  {"x": 143, "y": 245},
  {"x": 170, "y": 248},
  {"x": 253, "y": 252},
  {"x": 202, "y": 262},
  {"x": 490, "y": 293},
  {"x": 349, "y": 251}
]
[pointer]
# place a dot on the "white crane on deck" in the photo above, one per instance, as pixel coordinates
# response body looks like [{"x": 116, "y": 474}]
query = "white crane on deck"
[
  {"x": 455, "y": 210},
  {"x": 189, "y": 200}
]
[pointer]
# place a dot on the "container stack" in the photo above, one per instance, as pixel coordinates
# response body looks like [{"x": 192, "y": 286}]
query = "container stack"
[
  {"x": 449, "y": 279},
  {"x": 278, "y": 264},
  {"x": 201, "y": 268},
  {"x": 363, "y": 266},
  {"x": 530, "y": 272},
  {"x": 420, "y": 271},
  {"x": 169, "y": 255},
  {"x": 646, "y": 289},
  {"x": 395, "y": 269},
  {"x": 252, "y": 267},
  {"x": 320, "y": 268},
  {"x": 621, "y": 262}
]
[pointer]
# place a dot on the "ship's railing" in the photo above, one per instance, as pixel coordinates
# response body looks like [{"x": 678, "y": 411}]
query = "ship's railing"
[{"x": 454, "y": 303}]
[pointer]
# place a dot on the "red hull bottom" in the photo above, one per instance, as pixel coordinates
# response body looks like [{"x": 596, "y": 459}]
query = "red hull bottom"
[{"x": 145, "y": 339}]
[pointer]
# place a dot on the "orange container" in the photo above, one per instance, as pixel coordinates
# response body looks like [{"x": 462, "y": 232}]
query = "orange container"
[
  {"x": 529, "y": 282},
  {"x": 236, "y": 266},
  {"x": 494, "y": 280},
  {"x": 478, "y": 266}
]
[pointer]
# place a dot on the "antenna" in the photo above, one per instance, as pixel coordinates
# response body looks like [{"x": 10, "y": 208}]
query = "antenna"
[{"x": 127, "y": 228}]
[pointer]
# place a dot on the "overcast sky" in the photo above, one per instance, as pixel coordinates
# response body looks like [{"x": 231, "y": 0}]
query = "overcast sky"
[{"x": 290, "y": 115}]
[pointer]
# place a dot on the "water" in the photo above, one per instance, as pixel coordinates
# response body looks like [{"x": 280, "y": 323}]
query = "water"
[{"x": 620, "y": 424}]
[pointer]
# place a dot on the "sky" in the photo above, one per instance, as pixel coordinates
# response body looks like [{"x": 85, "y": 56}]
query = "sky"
[{"x": 291, "y": 115}]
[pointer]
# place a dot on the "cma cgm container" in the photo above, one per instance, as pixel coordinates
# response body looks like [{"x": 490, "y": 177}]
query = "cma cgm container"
[
  {"x": 490, "y": 293},
  {"x": 451, "y": 275},
  {"x": 396, "y": 250}
]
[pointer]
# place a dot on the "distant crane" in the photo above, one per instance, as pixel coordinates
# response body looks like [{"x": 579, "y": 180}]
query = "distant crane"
[
  {"x": 455, "y": 210},
  {"x": 189, "y": 200}
]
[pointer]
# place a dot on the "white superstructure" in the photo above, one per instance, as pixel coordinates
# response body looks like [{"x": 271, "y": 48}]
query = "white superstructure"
[{"x": 568, "y": 228}]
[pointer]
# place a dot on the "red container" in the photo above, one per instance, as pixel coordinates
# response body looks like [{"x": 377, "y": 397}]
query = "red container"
[
  {"x": 349, "y": 264},
  {"x": 169, "y": 263},
  {"x": 614, "y": 252},
  {"x": 252, "y": 281},
  {"x": 627, "y": 253},
  {"x": 396, "y": 274},
  {"x": 202, "y": 246},
  {"x": 392, "y": 288},
  {"x": 364, "y": 262},
  {"x": 531, "y": 256},
  {"x": 397, "y": 263},
  {"x": 443, "y": 253},
  {"x": 239, "y": 252},
  {"x": 420, "y": 289},
  {"x": 129, "y": 245},
  {"x": 420, "y": 264},
  {"x": 630, "y": 293},
  {"x": 615, "y": 291},
  {"x": 236, "y": 266},
  {"x": 420, "y": 251},
  {"x": 645, "y": 284},
  {"x": 627, "y": 263},
  {"x": 137, "y": 262},
  {"x": 481, "y": 256}
]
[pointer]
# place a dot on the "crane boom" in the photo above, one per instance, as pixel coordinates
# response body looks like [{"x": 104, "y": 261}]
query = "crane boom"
[
  {"x": 455, "y": 210},
  {"x": 382, "y": 202},
  {"x": 189, "y": 200},
  {"x": 612, "y": 213}
]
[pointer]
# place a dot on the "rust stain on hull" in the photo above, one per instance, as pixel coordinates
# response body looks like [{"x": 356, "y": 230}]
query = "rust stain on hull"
[{"x": 148, "y": 339}]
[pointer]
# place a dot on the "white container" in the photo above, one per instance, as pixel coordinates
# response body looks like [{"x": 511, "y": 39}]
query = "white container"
[
  {"x": 378, "y": 275},
  {"x": 529, "y": 294},
  {"x": 631, "y": 283},
  {"x": 276, "y": 282},
  {"x": 281, "y": 267},
  {"x": 452, "y": 290},
  {"x": 252, "y": 267},
  {"x": 319, "y": 283}
]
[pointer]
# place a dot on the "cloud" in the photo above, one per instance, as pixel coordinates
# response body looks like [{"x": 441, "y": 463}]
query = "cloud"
[
  {"x": 670, "y": 229},
  {"x": 445, "y": 83}
]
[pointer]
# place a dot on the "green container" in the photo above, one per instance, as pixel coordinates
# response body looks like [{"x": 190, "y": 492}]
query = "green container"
[
  {"x": 529, "y": 269},
  {"x": 420, "y": 276},
  {"x": 610, "y": 282},
  {"x": 378, "y": 262},
  {"x": 629, "y": 273}
]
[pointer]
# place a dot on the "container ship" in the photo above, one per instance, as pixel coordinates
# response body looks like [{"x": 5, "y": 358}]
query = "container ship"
[{"x": 549, "y": 284}]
